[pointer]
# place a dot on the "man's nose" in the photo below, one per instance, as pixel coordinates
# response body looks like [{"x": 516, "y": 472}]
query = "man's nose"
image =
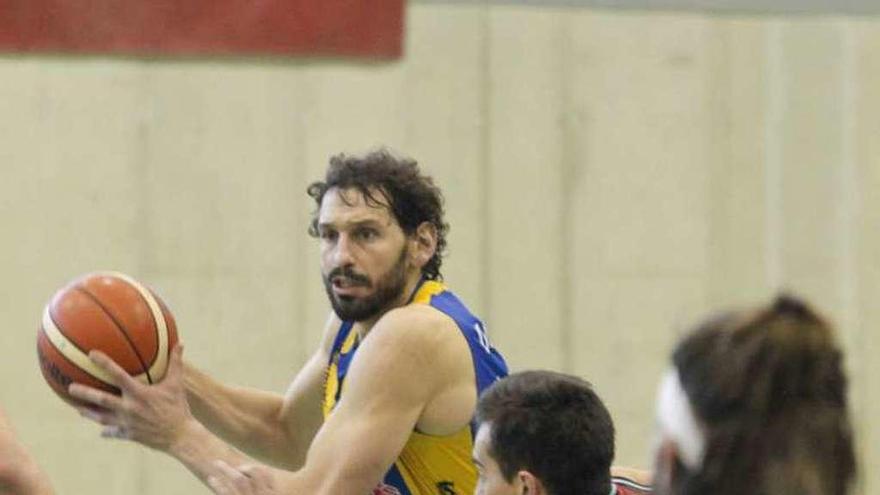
[{"x": 342, "y": 253}]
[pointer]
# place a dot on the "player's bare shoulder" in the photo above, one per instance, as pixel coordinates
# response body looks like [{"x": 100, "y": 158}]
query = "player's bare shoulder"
[
  {"x": 443, "y": 363},
  {"x": 420, "y": 328}
]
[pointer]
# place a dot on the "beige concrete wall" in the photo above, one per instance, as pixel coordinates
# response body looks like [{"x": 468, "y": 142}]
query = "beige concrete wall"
[{"x": 610, "y": 177}]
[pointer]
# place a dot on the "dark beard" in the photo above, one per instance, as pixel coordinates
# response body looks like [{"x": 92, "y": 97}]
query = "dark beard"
[{"x": 388, "y": 289}]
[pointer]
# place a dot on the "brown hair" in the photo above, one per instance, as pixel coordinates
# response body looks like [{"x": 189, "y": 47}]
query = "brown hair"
[
  {"x": 552, "y": 425},
  {"x": 770, "y": 390}
]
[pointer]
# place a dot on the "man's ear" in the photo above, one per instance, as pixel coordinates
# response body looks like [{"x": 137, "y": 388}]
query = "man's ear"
[
  {"x": 529, "y": 484},
  {"x": 424, "y": 245}
]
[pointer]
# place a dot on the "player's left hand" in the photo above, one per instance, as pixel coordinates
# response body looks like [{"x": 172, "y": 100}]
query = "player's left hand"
[
  {"x": 246, "y": 479},
  {"x": 154, "y": 415}
]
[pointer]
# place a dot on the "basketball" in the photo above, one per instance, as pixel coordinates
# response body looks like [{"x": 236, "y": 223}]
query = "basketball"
[{"x": 110, "y": 312}]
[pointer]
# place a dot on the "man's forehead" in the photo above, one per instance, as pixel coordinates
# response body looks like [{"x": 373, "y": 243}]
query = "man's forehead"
[{"x": 352, "y": 205}]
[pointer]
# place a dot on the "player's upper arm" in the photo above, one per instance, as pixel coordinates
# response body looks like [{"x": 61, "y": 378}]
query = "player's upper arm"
[
  {"x": 405, "y": 361},
  {"x": 309, "y": 381},
  {"x": 301, "y": 415}
]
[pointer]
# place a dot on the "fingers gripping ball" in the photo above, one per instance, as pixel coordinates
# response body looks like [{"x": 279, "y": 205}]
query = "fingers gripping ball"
[{"x": 110, "y": 312}]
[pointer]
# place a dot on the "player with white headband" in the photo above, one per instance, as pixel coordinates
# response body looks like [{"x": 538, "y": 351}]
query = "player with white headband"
[
  {"x": 755, "y": 402},
  {"x": 676, "y": 421}
]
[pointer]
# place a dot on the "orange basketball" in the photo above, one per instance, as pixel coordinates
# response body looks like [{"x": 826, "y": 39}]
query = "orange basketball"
[{"x": 110, "y": 312}]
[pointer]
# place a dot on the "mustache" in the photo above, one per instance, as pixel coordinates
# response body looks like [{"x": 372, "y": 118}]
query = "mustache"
[{"x": 348, "y": 273}]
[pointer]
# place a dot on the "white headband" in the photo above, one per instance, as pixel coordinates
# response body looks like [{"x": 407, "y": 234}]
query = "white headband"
[{"x": 676, "y": 420}]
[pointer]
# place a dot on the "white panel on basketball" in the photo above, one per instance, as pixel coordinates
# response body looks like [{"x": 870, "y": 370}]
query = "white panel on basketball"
[
  {"x": 74, "y": 354},
  {"x": 157, "y": 367}
]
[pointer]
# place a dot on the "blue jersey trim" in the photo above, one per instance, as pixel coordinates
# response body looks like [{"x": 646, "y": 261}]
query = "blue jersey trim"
[
  {"x": 395, "y": 479},
  {"x": 341, "y": 335}
]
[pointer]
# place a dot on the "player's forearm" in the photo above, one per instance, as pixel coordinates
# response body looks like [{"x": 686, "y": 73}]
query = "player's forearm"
[
  {"x": 248, "y": 419},
  {"x": 19, "y": 472},
  {"x": 25, "y": 479},
  {"x": 201, "y": 452}
]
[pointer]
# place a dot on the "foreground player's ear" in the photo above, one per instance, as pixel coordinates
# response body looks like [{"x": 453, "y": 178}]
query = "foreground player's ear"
[
  {"x": 424, "y": 243},
  {"x": 529, "y": 484}
]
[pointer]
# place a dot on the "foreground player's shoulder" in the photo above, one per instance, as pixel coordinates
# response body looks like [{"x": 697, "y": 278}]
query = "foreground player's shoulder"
[
  {"x": 416, "y": 327},
  {"x": 409, "y": 353}
]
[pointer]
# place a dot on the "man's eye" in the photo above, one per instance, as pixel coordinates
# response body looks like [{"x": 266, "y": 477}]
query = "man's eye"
[
  {"x": 328, "y": 235},
  {"x": 367, "y": 234}
]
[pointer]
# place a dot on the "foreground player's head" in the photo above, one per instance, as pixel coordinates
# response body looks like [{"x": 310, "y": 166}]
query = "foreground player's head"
[
  {"x": 381, "y": 226},
  {"x": 756, "y": 402},
  {"x": 542, "y": 432}
]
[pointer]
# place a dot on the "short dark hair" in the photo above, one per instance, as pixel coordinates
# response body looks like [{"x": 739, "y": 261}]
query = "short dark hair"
[
  {"x": 770, "y": 390},
  {"x": 412, "y": 197},
  {"x": 552, "y": 425}
]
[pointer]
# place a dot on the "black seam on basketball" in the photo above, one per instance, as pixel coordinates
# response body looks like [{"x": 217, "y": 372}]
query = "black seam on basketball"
[
  {"x": 121, "y": 329},
  {"x": 67, "y": 359}
]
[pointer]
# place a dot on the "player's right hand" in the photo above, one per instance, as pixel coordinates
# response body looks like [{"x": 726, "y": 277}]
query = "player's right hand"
[{"x": 153, "y": 415}]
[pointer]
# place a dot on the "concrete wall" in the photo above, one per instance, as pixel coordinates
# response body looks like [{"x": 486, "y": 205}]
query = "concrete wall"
[{"x": 610, "y": 177}]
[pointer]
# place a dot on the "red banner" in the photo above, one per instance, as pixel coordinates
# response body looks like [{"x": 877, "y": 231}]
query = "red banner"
[{"x": 315, "y": 28}]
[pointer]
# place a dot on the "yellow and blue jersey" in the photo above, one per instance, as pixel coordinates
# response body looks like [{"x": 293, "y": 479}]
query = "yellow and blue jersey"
[{"x": 428, "y": 464}]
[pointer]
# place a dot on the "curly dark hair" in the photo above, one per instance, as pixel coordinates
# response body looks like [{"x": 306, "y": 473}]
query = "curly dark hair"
[{"x": 412, "y": 197}]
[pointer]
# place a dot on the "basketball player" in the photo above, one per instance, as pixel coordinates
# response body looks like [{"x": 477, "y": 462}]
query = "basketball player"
[
  {"x": 384, "y": 404},
  {"x": 756, "y": 402},
  {"x": 19, "y": 472},
  {"x": 546, "y": 433}
]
